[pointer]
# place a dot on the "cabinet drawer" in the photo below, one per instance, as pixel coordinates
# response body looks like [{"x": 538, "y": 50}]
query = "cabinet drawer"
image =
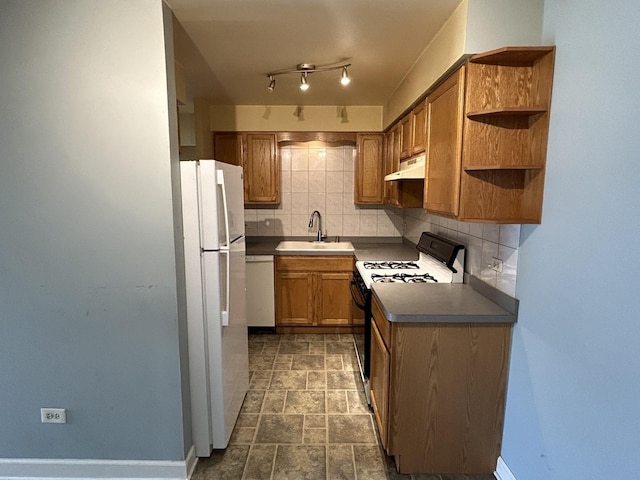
[
  {"x": 314, "y": 264},
  {"x": 381, "y": 322}
]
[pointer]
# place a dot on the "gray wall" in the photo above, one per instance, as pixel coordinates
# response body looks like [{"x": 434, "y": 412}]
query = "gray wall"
[
  {"x": 574, "y": 394},
  {"x": 89, "y": 306}
]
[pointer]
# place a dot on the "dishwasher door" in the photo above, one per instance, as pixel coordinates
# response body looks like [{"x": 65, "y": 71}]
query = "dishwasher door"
[{"x": 260, "y": 291}]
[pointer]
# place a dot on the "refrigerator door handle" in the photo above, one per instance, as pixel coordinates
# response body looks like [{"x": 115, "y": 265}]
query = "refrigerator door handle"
[
  {"x": 220, "y": 175},
  {"x": 226, "y": 297}
]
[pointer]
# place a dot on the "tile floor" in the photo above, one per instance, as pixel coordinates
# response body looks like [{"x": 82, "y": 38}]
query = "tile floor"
[{"x": 304, "y": 417}]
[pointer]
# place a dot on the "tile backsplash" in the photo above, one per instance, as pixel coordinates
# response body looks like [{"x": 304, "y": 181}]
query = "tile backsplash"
[
  {"x": 321, "y": 178},
  {"x": 484, "y": 241}
]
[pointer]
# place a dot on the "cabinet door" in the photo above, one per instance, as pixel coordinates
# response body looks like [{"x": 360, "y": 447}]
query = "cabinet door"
[
  {"x": 261, "y": 169},
  {"x": 379, "y": 382},
  {"x": 369, "y": 181},
  {"x": 405, "y": 137},
  {"x": 227, "y": 147},
  {"x": 418, "y": 129},
  {"x": 294, "y": 298},
  {"x": 444, "y": 146},
  {"x": 333, "y": 303},
  {"x": 392, "y": 164}
]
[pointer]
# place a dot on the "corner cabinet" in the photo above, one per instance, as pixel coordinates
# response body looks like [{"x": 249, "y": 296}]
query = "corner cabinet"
[
  {"x": 227, "y": 148},
  {"x": 313, "y": 291},
  {"x": 497, "y": 106},
  {"x": 438, "y": 393},
  {"x": 369, "y": 170}
]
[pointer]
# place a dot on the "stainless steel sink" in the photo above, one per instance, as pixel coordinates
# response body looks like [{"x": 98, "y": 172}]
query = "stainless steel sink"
[{"x": 314, "y": 248}]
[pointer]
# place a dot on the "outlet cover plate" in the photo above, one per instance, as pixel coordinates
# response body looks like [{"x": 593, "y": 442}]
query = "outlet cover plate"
[{"x": 53, "y": 415}]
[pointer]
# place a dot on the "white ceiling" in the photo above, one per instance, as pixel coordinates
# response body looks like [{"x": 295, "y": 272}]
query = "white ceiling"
[{"x": 243, "y": 40}]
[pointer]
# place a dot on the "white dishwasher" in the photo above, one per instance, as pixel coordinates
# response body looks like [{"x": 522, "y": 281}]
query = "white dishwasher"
[{"x": 260, "y": 291}]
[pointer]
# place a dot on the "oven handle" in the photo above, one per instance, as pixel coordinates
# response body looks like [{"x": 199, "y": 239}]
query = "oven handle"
[{"x": 353, "y": 287}]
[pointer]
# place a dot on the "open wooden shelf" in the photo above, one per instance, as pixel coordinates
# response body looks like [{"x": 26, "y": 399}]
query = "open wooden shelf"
[
  {"x": 506, "y": 112},
  {"x": 502, "y": 196},
  {"x": 508, "y": 97},
  {"x": 512, "y": 56}
]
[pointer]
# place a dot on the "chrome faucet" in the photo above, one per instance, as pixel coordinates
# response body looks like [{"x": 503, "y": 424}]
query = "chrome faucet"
[{"x": 319, "y": 236}]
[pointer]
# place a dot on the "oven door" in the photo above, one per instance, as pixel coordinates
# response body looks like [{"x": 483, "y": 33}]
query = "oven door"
[
  {"x": 362, "y": 299},
  {"x": 356, "y": 292}
]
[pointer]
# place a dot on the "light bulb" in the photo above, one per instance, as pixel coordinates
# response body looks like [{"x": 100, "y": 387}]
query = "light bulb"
[
  {"x": 345, "y": 80},
  {"x": 272, "y": 84},
  {"x": 304, "y": 85}
]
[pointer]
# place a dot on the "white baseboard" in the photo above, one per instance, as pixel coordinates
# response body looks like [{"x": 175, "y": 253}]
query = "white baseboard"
[
  {"x": 191, "y": 461},
  {"x": 502, "y": 471},
  {"x": 72, "y": 469}
]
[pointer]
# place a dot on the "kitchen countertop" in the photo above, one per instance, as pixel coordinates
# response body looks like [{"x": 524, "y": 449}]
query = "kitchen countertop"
[
  {"x": 384, "y": 251},
  {"x": 262, "y": 247},
  {"x": 471, "y": 302},
  {"x": 365, "y": 249},
  {"x": 438, "y": 303}
]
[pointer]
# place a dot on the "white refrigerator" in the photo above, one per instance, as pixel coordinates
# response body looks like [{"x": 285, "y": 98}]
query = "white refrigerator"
[{"x": 214, "y": 249}]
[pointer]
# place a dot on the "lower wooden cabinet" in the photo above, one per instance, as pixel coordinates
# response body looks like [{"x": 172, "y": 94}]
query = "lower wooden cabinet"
[
  {"x": 438, "y": 393},
  {"x": 314, "y": 291},
  {"x": 379, "y": 381}
]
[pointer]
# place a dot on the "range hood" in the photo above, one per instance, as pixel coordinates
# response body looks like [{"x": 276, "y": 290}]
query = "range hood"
[{"x": 412, "y": 169}]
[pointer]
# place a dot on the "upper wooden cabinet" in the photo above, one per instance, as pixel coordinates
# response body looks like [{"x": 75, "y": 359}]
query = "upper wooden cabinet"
[
  {"x": 369, "y": 171},
  {"x": 227, "y": 147},
  {"x": 418, "y": 129},
  {"x": 444, "y": 146},
  {"x": 391, "y": 164},
  {"x": 412, "y": 132},
  {"x": 261, "y": 169},
  {"x": 257, "y": 153},
  {"x": 405, "y": 137},
  {"x": 406, "y": 193},
  {"x": 487, "y": 137}
]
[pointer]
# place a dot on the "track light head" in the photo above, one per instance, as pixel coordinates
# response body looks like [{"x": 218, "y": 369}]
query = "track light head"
[
  {"x": 345, "y": 80},
  {"x": 304, "y": 84},
  {"x": 272, "y": 84}
]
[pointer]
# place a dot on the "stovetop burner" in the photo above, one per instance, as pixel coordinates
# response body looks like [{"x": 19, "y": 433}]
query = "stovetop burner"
[
  {"x": 403, "y": 278},
  {"x": 390, "y": 265}
]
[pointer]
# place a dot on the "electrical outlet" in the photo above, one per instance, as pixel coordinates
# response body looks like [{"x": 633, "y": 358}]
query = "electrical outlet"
[
  {"x": 496, "y": 264},
  {"x": 53, "y": 415}
]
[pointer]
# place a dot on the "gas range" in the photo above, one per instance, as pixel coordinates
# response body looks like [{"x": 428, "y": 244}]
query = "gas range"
[{"x": 440, "y": 261}]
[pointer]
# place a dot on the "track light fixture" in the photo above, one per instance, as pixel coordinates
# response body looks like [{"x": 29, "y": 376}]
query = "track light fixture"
[{"x": 304, "y": 69}]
